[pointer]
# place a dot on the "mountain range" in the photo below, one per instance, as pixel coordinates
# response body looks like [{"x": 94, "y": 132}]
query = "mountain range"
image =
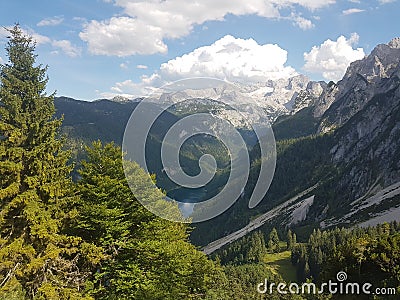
[{"x": 342, "y": 139}]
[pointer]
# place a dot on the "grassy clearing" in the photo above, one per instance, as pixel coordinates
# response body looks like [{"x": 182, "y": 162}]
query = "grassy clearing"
[{"x": 280, "y": 263}]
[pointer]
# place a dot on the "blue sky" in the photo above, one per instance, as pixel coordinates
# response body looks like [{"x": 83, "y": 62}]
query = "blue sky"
[{"x": 101, "y": 48}]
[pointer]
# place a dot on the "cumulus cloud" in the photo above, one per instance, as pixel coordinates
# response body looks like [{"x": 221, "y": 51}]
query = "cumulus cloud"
[
  {"x": 146, "y": 24},
  {"x": 51, "y": 21},
  {"x": 331, "y": 58},
  {"x": 386, "y": 1},
  {"x": 143, "y": 67},
  {"x": 67, "y": 47},
  {"x": 228, "y": 58},
  {"x": 231, "y": 59},
  {"x": 351, "y": 11},
  {"x": 123, "y": 36}
]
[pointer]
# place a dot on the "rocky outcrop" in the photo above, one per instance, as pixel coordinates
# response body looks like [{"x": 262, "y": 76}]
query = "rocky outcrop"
[
  {"x": 308, "y": 96},
  {"x": 362, "y": 81},
  {"x": 369, "y": 143},
  {"x": 362, "y": 114},
  {"x": 274, "y": 97},
  {"x": 365, "y": 112}
]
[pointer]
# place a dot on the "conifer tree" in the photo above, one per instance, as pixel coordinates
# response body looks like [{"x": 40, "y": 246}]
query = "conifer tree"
[
  {"x": 294, "y": 239},
  {"x": 289, "y": 240},
  {"x": 273, "y": 241},
  {"x": 35, "y": 187},
  {"x": 147, "y": 257}
]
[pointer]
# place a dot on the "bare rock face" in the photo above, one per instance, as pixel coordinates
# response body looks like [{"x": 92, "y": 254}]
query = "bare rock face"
[
  {"x": 309, "y": 96},
  {"x": 395, "y": 43},
  {"x": 362, "y": 81},
  {"x": 120, "y": 99},
  {"x": 322, "y": 103},
  {"x": 362, "y": 113},
  {"x": 379, "y": 64},
  {"x": 365, "y": 112},
  {"x": 273, "y": 97}
]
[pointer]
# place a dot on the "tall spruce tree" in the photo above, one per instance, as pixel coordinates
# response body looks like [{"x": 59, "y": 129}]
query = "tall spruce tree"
[
  {"x": 36, "y": 257},
  {"x": 273, "y": 241}
]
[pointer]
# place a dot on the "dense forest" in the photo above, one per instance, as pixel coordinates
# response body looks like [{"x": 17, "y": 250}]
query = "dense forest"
[
  {"x": 90, "y": 238},
  {"x": 366, "y": 255}
]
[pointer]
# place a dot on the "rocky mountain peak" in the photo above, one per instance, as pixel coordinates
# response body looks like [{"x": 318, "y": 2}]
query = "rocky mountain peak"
[
  {"x": 379, "y": 64},
  {"x": 308, "y": 96},
  {"x": 120, "y": 99},
  {"x": 363, "y": 79},
  {"x": 395, "y": 43},
  {"x": 274, "y": 97}
]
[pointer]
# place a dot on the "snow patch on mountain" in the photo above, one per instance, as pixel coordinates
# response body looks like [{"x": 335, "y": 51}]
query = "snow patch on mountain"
[
  {"x": 259, "y": 102},
  {"x": 300, "y": 211}
]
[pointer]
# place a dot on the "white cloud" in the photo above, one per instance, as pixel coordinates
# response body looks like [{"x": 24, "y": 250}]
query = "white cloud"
[
  {"x": 121, "y": 86},
  {"x": 79, "y": 19},
  {"x": 38, "y": 38},
  {"x": 386, "y": 1},
  {"x": 228, "y": 58},
  {"x": 352, "y": 11},
  {"x": 123, "y": 37},
  {"x": 146, "y": 24},
  {"x": 123, "y": 66},
  {"x": 67, "y": 47},
  {"x": 301, "y": 22},
  {"x": 332, "y": 58},
  {"x": 141, "y": 67},
  {"x": 130, "y": 89},
  {"x": 51, "y": 21},
  {"x": 63, "y": 45},
  {"x": 310, "y": 4},
  {"x": 231, "y": 59}
]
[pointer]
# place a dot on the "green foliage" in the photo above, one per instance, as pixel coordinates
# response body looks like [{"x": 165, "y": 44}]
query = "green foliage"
[
  {"x": 60, "y": 240},
  {"x": 365, "y": 254},
  {"x": 298, "y": 125},
  {"x": 301, "y": 163},
  {"x": 291, "y": 240},
  {"x": 146, "y": 257},
  {"x": 246, "y": 263},
  {"x": 37, "y": 258},
  {"x": 273, "y": 241},
  {"x": 249, "y": 249},
  {"x": 243, "y": 280},
  {"x": 281, "y": 264}
]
